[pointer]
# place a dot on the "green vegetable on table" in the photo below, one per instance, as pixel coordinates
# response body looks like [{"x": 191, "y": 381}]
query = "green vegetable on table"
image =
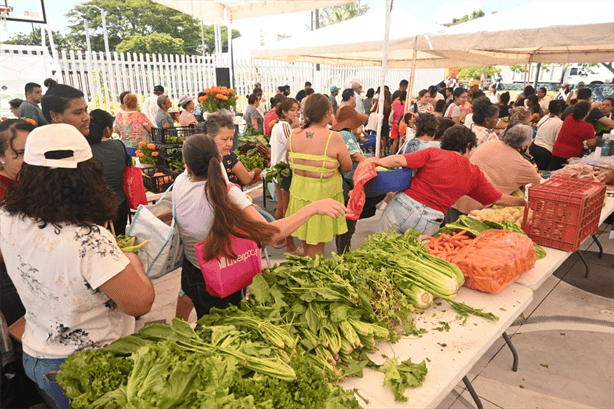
[
  {"x": 281, "y": 169},
  {"x": 402, "y": 376},
  {"x": 251, "y": 160}
]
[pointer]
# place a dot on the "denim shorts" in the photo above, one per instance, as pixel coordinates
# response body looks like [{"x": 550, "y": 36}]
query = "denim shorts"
[
  {"x": 43, "y": 371},
  {"x": 404, "y": 213}
]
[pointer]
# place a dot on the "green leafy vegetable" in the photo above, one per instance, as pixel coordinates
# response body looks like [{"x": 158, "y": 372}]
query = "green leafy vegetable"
[{"x": 402, "y": 376}]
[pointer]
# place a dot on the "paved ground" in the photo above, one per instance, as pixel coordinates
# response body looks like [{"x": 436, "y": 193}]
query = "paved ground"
[{"x": 565, "y": 341}]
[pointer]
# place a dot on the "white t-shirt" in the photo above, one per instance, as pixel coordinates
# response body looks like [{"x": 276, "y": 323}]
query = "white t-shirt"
[
  {"x": 279, "y": 142},
  {"x": 58, "y": 275},
  {"x": 453, "y": 111},
  {"x": 195, "y": 214},
  {"x": 150, "y": 107},
  {"x": 547, "y": 130}
]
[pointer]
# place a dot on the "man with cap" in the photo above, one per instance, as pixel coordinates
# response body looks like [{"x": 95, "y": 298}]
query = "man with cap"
[
  {"x": 334, "y": 91},
  {"x": 474, "y": 87},
  {"x": 150, "y": 106}
]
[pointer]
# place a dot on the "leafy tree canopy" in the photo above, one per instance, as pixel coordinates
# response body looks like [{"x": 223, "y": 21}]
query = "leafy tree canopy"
[
  {"x": 467, "y": 17},
  {"x": 34, "y": 38},
  {"x": 337, "y": 14}
]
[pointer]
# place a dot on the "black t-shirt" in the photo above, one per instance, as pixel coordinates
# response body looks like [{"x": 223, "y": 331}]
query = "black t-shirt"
[
  {"x": 593, "y": 116},
  {"x": 230, "y": 161},
  {"x": 111, "y": 154},
  {"x": 477, "y": 95},
  {"x": 300, "y": 95}
]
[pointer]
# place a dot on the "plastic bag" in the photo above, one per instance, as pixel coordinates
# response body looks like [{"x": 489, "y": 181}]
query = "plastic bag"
[{"x": 495, "y": 259}]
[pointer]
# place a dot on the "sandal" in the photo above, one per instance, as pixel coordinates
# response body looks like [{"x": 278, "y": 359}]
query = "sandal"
[{"x": 298, "y": 252}]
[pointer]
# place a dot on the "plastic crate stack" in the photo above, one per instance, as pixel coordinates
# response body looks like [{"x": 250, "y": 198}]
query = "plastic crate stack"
[
  {"x": 563, "y": 212},
  {"x": 169, "y": 142}
]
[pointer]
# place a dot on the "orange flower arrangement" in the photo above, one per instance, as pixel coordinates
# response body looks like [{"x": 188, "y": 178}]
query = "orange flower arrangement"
[
  {"x": 218, "y": 98},
  {"x": 147, "y": 153}
]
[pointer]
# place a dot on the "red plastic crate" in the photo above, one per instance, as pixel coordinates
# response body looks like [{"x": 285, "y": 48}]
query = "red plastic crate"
[{"x": 563, "y": 212}]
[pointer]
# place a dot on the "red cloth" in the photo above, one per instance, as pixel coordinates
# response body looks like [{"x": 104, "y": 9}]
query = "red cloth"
[
  {"x": 268, "y": 118},
  {"x": 5, "y": 182},
  {"x": 569, "y": 143},
  {"x": 365, "y": 171},
  {"x": 443, "y": 177}
]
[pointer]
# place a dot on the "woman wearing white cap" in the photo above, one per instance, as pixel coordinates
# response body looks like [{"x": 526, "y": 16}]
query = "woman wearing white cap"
[
  {"x": 186, "y": 118},
  {"x": 70, "y": 274}
]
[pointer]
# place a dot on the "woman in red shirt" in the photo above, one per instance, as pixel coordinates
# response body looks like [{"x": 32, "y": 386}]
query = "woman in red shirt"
[
  {"x": 443, "y": 176},
  {"x": 573, "y": 133}
]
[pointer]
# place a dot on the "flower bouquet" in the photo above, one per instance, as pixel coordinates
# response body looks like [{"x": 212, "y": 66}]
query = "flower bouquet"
[
  {"x": 218, "y": 98},
  {"x": 147, "y": 153},
  {"x": 535, "y": 118}
]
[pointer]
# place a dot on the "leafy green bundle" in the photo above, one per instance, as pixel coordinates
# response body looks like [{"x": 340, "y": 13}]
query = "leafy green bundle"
[{"x": 167, "y": 366}]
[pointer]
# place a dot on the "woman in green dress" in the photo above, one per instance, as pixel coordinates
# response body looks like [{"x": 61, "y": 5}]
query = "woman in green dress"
[{"x": 317, "y": 158}]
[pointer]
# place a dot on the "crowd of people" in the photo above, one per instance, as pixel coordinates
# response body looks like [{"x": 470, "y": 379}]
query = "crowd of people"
[{"x": 61, "y": 175}]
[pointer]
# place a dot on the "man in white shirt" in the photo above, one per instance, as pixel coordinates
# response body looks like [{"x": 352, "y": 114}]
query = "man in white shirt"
[
  {"x": 544, "y": 99},
  {"x": 150, "y": 106}
]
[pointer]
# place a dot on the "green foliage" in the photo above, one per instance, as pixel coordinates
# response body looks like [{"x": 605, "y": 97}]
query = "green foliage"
[
  {"x": 158, "y": 43},
  {"x": 337, "y": 14},
  {"x": 474, "y": 72},
  {"x": 34, "y": 38},
  {"x": 474, "y": 15},
  {"x": 518, "y": 68},
  {"x": 140, "y": 26}
]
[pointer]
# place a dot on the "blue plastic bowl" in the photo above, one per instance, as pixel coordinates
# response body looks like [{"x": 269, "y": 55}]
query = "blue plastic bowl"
[{"x": 388, "y": 181}]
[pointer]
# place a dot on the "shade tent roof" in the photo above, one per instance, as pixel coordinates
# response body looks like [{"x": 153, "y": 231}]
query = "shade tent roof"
[
  {"x": 561, "y": 32},
  {"x": 548, "y": 32},
  {"x": 215, "y": 11},
  {"x": 358, "y": 41}
]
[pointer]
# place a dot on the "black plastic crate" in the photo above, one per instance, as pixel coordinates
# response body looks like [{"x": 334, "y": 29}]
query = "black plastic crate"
[
  {"x": 158, "y": 184},
  {"x": 176, "y": 135},
  {"x": 170, "y": 156}
]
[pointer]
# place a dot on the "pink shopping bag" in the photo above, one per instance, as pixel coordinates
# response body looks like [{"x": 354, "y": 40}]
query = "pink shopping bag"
[{"x": 224, "y": 276}]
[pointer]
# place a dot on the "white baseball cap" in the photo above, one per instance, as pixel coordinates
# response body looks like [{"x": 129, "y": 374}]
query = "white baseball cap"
[{"x": 56, "y": 146}]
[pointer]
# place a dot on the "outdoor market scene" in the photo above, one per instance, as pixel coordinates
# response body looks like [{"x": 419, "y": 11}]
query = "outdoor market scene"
[{"x": 306, "y": 204}]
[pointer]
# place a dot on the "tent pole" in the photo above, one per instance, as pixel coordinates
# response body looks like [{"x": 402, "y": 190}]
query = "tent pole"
[
  {"x": 380, "y": 106},
  {"x": 410, "y": 89}
]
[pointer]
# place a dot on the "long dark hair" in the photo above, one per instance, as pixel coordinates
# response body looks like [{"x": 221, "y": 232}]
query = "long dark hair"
[
  {"x": 200, "y": 153},
  {"x": 316, "y": 108},
  {"x": 78, "y": 196},
  {"x": 285, "y": 105},
  {"x": 455, "y": 94},
  {"x": 99, "y": 120}
]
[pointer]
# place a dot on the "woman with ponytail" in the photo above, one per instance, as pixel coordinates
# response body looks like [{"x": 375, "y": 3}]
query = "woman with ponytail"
[{"x": 207, "y": 209}]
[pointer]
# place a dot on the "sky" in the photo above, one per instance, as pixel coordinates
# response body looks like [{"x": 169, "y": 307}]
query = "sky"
[{"x": 433, "y": 11}]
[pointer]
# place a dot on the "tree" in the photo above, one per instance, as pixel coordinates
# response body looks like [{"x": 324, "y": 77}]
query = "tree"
[
  {"x": 139, "y": 26},
  {"x": 474, "y": 72},
  {"x": 337, "y": 14},
  {"x": 34, "y": 38},
  {"x": 474, "y": 15}
]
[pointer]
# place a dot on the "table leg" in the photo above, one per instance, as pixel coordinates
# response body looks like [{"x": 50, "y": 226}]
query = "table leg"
[
  {"x": 598, "y": 245},
  {"x": 263, "y": 194},
  {"x": 474, "y": 395},
  {"x": 585, "y": 263},
  {"x": 508, "y": 341}
]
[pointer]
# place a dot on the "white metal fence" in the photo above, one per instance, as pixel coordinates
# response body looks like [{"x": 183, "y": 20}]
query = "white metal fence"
[{"x": 102, "y": 81}]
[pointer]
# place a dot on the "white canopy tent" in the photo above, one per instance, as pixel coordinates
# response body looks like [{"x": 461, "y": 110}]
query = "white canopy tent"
[
  {"x": 358, "y": 41},
  {"x": 216, "y": 11},
  {"x": 547, "y": 32}
]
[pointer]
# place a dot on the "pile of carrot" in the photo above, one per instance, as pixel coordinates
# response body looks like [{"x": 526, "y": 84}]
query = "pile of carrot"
[{"x": 447, "y": 246}]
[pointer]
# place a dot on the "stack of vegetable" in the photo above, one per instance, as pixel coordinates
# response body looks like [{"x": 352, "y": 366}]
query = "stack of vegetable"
[
  {"x": 511, "y": 214},
  {"x": 253, "y": 150},
  {"x": 166, "y": 366},
  {"x": 475, "y": 227},
  {"x": 128, "y": 244},
  {"x": 306, "y": 321},
  {"x": 495, "y": 259},
  {"x": 447, "y": 246}
]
